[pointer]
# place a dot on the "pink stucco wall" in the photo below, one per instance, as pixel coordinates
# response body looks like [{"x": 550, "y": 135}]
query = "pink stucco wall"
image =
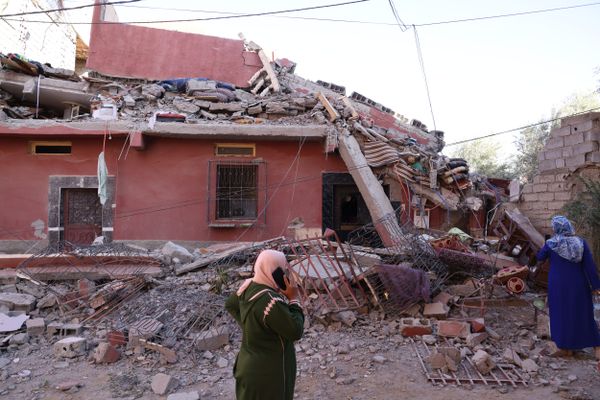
[
  {"x": 140, "y": 52},
  {"x": 161, "y": 191}
]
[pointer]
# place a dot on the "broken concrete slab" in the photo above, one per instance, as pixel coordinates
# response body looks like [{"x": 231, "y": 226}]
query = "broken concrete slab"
[
  {"x": 174, "y": 250},
  {"x": 36, "y": 326},
  {"x": 11, "y": 323},
  {"x": 213, "y": 339},
  {"x": 70, "y": 347},
  {"x": 512, "y": 357},
  {"x": 474, "y": 339},
  {"x": 184, "y": 396},
  {"x": 483, "y": 362},
  {"x": 162, "y": 383},
  {"x": 18, "y": 301}
]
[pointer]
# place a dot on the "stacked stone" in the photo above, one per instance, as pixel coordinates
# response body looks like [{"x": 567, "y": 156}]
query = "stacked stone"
[{"x": 571, "y": 151}]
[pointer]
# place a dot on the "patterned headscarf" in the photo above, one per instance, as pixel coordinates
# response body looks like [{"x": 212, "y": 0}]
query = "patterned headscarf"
[
  {"x": 564, "y": 243},
  {"x": 266, "y": 262}
]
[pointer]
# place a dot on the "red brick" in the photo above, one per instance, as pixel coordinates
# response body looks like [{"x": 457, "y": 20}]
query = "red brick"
[
  {"x": 116, "y": 338},
  {"x": 436, "y": 310},
  {"x": 453, "y": 329},
  {"x": 106, "y": 353},
  {"x": 415, "y": 327},
  {"x": 477, "y": 325}
]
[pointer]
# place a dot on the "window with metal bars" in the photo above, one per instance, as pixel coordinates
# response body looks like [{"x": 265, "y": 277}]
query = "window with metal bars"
[{"x": 236, "y": 191}]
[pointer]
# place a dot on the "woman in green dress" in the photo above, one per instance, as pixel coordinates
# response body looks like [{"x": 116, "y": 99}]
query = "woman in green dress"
[{"x": 267, "y": 307}]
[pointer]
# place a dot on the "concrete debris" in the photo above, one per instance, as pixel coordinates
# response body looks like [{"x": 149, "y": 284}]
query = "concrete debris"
[
  {"x": 162, "y": 384},
  {"x": 11, "y": 323},
  {"x": 70, "y": 347},
  {"x": 172, "y": 250},
  {"x": 18, "y": 301},
  {"x": 36, "y": 326},
  {"x": 483, "y": 362},
  {"x": 106, "y": 353},
  {"x": 184, "y": 396}
]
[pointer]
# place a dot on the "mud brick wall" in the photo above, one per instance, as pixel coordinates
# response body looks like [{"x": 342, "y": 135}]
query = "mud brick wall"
[{"x": 571, "y": 151}]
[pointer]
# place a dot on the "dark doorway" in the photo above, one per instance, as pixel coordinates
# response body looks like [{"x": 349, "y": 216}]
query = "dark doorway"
[
  {"x": 81, "y": 215},
  {"x": 344, "y": 208},
  {"x": 350, "y": 211}
]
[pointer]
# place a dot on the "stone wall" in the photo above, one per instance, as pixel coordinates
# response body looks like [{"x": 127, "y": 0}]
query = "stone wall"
[{"x": 572, "y": 151}]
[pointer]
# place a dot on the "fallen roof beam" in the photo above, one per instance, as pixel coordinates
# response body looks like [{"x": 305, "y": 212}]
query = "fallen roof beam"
[{"x": 333, "y": 114}]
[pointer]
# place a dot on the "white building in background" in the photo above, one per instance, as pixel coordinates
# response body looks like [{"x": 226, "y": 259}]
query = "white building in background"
[{"x": 47, "y": 42}]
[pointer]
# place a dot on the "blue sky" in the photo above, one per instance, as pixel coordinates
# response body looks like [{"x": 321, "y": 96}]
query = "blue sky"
[{"x": 484, "y": 76}]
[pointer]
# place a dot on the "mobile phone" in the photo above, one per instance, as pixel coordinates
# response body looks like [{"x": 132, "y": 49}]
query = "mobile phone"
[{"x": 278, "y": 275}]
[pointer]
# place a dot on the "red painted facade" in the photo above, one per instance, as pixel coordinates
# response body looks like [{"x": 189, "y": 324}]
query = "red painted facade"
[
  {"x": 139, "y": 52},
  {"x": 162, "y": 191}
]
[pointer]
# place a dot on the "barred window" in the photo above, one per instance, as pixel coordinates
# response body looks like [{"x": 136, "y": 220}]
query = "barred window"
[{"x": 237, "y": 191}]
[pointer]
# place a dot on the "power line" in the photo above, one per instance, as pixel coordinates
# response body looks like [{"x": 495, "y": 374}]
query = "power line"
[
  {"x": 260, "y": 14},
  {"x": 66, "y": 8},
  {"x": 522, "y": 127},
  {"x": 422, "y": 64},
  {"x": 399, "y": 21},
  {"x": 234, "y": 15},
  {"x": 516, "y": 14}
]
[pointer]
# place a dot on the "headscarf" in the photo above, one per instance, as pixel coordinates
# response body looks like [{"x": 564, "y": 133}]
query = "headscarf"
[
  {"x": 266, "y": 262},
  {"x": 564, "y": 243}
]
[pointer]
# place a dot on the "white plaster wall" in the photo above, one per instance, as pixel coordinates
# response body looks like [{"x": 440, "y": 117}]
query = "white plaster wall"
[{"x": 43, "y": 42}]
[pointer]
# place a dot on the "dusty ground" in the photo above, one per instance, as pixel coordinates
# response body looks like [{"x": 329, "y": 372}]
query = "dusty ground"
[{"x": 334, "y": 363}]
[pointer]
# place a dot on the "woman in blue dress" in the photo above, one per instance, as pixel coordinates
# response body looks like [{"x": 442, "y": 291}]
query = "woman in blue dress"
[{"x": 572, "y": 280}]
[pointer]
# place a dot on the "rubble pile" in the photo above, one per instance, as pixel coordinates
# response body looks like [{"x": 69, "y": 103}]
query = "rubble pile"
[{"x": 172, "y": 334}]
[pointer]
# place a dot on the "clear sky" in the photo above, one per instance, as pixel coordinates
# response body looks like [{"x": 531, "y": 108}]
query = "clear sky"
[{"x": 484, "y": 76}]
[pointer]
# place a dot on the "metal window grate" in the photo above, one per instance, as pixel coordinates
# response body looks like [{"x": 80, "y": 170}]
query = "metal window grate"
[{"x": 237, "y": 191}]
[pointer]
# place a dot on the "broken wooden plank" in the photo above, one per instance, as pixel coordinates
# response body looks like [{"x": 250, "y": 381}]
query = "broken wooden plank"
[
  {"x": 169, "y": 354},
  {"x": 333, "y": 114},
  {"x": 526, "y": 227},
  {"x": 269, "y": 70},
  {"x": 363, "y": 131},
  {"x": 380, "y": 208}
]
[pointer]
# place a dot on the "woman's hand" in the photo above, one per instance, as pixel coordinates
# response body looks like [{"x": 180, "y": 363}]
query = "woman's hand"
[{"x": 291, "y": 291}]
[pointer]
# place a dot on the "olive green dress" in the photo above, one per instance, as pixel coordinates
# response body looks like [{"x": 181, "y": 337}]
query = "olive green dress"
[{"x": 265, "y": 368}]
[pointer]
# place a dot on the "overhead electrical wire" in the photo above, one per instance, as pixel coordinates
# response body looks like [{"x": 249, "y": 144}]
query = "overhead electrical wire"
[
  {"x": 424, "y": 24},
  {"x": 521, "y": 127},
  {"x": 422, "y": 64},
  {"x": 61, "y": 9},
  {"x": 260, "y": 14}
]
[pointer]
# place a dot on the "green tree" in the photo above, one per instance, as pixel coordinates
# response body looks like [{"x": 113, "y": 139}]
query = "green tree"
[
  {"x": 530, "y": 141},
  {"x": 482, "y": 156},
  {"x": 584, "y": 211}
]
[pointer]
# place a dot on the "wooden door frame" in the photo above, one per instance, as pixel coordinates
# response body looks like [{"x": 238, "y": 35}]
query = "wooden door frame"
[{"x": 55, "y": 186}]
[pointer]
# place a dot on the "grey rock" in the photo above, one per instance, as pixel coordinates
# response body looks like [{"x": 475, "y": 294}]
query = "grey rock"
[{"x": 184, "y": 396}]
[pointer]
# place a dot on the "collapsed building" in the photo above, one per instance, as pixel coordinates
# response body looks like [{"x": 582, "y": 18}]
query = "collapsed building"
[
  {"x": 237, "y": 148},
  {"x": 230, "y": 152}
]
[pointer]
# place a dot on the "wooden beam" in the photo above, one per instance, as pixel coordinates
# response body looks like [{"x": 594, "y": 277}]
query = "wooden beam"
[
  {"x": 380, "y": 208},
  {"x": 269, "y": 70},
  {"x": 333, "y": 114}
]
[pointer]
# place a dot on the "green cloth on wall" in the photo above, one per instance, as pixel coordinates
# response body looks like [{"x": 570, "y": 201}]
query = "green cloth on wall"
[{"x": 265, "y": 367}]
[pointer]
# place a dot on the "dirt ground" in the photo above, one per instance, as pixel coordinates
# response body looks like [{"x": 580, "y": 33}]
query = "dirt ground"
[{"x": 334, "y": 363}]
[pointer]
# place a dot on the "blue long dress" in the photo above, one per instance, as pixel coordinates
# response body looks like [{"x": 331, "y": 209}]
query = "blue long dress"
[{"x": 570, "y": 286}]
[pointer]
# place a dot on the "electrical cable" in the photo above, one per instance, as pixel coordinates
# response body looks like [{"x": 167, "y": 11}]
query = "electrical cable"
[
  {"x": 424, "y": 24},
  {"x": 521, "y": 127},
  {"x": 399, "y": 21},
  {"x": 61, "y": 9},
  {"x": 422, "y": 64},
  {"x": 261, "y": 14}
]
